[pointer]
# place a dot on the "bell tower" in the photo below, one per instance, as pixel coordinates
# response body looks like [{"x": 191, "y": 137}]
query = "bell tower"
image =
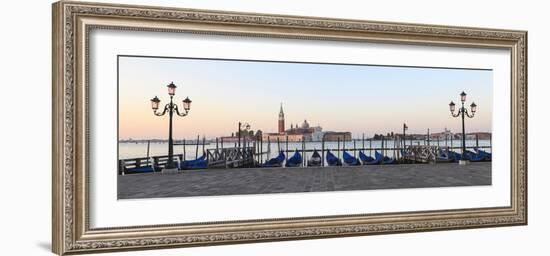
[{"x": 281, "y": 120}]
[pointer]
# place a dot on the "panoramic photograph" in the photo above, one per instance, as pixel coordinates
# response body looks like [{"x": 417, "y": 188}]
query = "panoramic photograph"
[{"x": 218, "y": 127}]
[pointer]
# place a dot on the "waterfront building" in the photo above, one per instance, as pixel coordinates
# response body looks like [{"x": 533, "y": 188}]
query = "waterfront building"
[
  {"x": 444, "y": 135},
  {"x": 334, "y": 136},
  {"x": 281, "y": 120},
  {"x": 301, "y": 132}
]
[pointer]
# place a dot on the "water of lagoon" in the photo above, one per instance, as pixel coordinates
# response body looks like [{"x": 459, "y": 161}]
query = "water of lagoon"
[{"x": 136, "y": 150}]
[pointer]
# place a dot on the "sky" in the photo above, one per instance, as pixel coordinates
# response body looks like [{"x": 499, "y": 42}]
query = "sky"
[{"x": 355, "y": 98}]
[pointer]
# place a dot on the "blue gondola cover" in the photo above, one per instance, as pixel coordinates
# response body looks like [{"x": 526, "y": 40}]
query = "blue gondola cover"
[
  {"x": 368, "y": 160},
  {"x": 199, "y": 163},
  {"x": 349, "y": 159},
  {"x": 275, "y": 162},
  {"x": 295, "y": 160},
  {"x": 332, "y": 160}
]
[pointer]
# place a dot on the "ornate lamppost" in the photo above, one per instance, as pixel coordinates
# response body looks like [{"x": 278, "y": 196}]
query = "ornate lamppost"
[
  {"x": 462, "y": 112},
  {"x": 170, "y": 108}
]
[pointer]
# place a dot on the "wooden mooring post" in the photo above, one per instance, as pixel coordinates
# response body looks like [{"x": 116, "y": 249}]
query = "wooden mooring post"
[
  {"x": 343, "y": 146},
  {"x": 323, "y": 151},
  {"x": 203, "y": 144},
  {"x": 183, "y": 143},
  {"x": 148, "y": 145},
  {"x": 304, "y": 162},
  {"x": 354, "y": 149},
  {"x": 363, "y": 141},
  {"x": 262, "y": 149},
  {"x": 268, "y": 148},
  {"x": 286, "y": 149},
  {"x": 197, "y": 147},
  {"x": 382, "y": 149},
  {"x": 338, "y": 148},
  {"x": 428, "y": 137},
  {"x": 370, "y": 147}
]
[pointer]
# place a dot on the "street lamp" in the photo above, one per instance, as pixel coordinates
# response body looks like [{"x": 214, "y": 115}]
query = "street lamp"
[
  {"x": 170, "y": 108},
  {"x": 462, "y": 111}
]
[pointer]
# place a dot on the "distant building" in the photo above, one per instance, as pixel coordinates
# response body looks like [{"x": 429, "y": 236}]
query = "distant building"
[
  {"x": 334, "y": 136},
  {"x": 448, "y": 135},
  {"x": 281, "y": 120},
  {"x": 300, "y": 132},
  {"x": 444, "y": 135},
  {"x": 484, "y": 135}
]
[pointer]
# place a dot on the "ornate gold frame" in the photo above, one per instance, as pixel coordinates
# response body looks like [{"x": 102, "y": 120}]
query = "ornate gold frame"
[{"x": 72, "y": 22}]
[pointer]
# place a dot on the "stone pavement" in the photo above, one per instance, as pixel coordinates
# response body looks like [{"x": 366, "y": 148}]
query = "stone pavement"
[{"x": 290, "y": 180}]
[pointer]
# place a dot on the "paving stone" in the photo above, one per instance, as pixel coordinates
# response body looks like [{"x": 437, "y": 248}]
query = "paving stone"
[{"x": 292, "y": 180}]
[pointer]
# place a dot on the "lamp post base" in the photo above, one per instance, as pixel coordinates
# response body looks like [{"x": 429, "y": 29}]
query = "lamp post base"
[
  {"x": 463, "y": 162},
  {"x": 169, "y": 170}
]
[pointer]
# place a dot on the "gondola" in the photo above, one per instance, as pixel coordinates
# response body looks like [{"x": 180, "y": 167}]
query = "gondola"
[
  {"x": 454, "y": 156},
  {"x": 199, "y": 163},
  {"x": 315, "y": 160},
  {"x": 275, "y": 162},
  {"x": 443, "y": 156},
  {"x": 368, "y": 160},
  {"x": 295, "y": 160},
  {"x": 386, "y": 159},
  {"x": 486, "y": 155},
  {"x": 350, "y": 160},
  {"x": 474, "y": 157},
  {"x": 332, "y": 160}
]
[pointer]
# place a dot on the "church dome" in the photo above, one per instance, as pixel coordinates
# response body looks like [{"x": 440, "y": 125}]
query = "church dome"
[{"x": 305, "y": 125}]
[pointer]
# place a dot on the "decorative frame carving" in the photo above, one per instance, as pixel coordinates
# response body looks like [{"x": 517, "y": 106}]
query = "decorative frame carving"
[{"x": 72, "y": 22}]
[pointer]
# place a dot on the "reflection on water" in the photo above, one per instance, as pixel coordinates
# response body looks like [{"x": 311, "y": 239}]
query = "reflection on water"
[{"x": 134, "y": 150}]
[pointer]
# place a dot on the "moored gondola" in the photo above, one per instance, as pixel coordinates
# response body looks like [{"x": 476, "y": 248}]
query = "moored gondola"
[
  {"x": 275, "y": 162},
  {"x": 443, "y": 156},
  {"x": 350, "y": 160},
  {"x": 315, "y": 160},
  {"x": 369, "y": 160},
  {"x": 473, "y": 156},
  {"x": 387, "y": 159},
  {"x": 486, "y": 155},
  {"x": 295, "y": 160},
  {"x": 199, "y": 163},
  {"x": 332, "y": 160}
]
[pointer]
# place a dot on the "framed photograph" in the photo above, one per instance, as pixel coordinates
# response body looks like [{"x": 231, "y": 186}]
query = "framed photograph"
[{"x": 179, "y": 127}]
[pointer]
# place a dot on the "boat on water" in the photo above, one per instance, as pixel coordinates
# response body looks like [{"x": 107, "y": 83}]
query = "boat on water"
[
  {"x": 369, "y": 160},
  {"x": 378, "y": 159},
  {"x": 315, "y": 160},
  {"x": 332, "y": 160},
  {"x": 295, "y": 160},
  {"x": 443, "y": 156},
  {"x": 350, "y": 160},
  {"x": 199, "y": 163},
  {"x": 473, "y": 156},
  {"x": 470, "y": 156},
  {"x": 486, "y": 155},
  {"x": 275, "y": 162},
  {"x": 386, "y": 159}
]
